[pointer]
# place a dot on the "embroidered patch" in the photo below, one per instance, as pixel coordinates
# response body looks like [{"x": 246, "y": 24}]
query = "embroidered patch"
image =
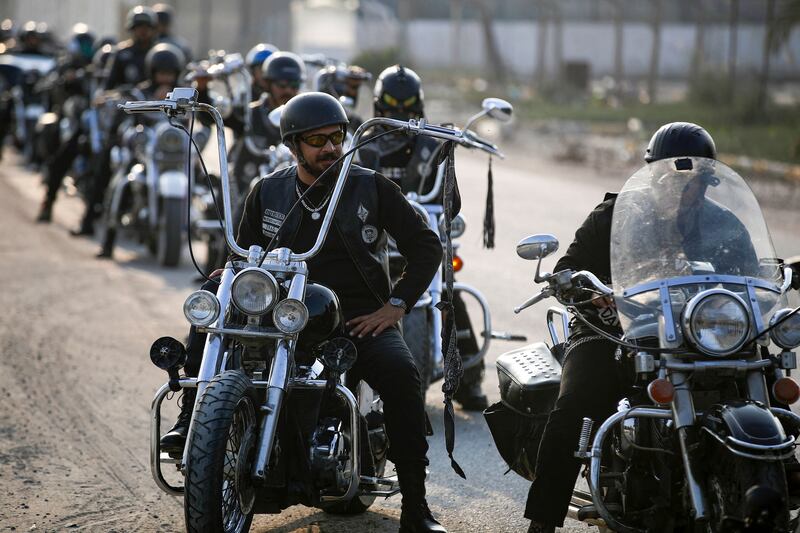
[
  {"x": 271, "y": 222},
  {"x": 369, "y": 233},
  {"x": 362, "y": 213}
]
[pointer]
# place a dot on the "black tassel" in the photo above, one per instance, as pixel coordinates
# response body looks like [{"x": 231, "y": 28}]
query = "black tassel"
[{"x": 488, "y": 218}]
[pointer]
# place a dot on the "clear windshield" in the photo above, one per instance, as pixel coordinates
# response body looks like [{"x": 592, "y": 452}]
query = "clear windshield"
[{"x": 687, "y": 217}]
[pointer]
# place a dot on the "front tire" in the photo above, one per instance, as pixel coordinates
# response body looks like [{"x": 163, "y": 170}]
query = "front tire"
[
  {"x": 169, "y": 232},
  {"x": 218, "y": 491}
]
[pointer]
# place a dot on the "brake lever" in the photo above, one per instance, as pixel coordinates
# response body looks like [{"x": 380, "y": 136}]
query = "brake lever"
[{"x": 547, "y": 292}]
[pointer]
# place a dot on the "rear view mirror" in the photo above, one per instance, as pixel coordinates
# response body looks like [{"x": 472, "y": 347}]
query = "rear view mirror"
[
  {"x": 275, "y": 116},
  {"x": 537, "y": 246},
  {"x": 498, "y": 109}
]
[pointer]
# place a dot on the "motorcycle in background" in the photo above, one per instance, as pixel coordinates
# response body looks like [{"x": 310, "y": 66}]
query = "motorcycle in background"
[
  {"x": 422, "y": 326},
  {"x": 703, "y": 440},
  {"x": 276, "y": 421}
]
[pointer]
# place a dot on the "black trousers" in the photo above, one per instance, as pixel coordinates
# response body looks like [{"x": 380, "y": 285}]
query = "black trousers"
[
  {"x": 590, "y": 387},
  {"x": 58, "y": 165},
  {"x": 386, "y": 364}
]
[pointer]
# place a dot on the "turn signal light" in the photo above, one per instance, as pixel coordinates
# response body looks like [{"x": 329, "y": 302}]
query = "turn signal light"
[
  {"x": 661, "y": 391},
  {"x": 786, "y": 390},
  {"x": 458, "y": 263}
]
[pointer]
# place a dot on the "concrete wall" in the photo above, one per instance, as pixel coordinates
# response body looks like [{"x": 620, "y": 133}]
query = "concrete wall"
[{"x": 431, "y": 44}]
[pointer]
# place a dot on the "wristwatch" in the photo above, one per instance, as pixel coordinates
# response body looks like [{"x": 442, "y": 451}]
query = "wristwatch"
[{"x": 398, "y": 302}]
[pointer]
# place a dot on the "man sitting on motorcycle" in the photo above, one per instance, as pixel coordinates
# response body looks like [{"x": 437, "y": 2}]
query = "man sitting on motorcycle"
[
  {"x": 590, "y": 382},
  {"x": 352, "y": 263},
  {"x": 165, "y": 16},
  {"x": 69, "y": 81},
  {"x": 411, "y": 162},
  {"x": 164, "y": 63},
  {"x": 126, "y": 68}
]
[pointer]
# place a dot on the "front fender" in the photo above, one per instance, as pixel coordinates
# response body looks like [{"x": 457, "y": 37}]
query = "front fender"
[
  {"x": 172, "y": 184},
  {"x": 748, "y": 429}
]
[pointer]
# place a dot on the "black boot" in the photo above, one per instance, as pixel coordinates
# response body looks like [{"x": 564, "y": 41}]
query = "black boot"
[
  {"x": 469, "y": 393},
  {"x": 46, "y": 212},
  {"x": 415, "y": 516},
  {"x": 537, "y": 527},
  {"x": 175, "y": 439},
  {"x": 86, "y": 228},
  {"x": 107, "y": 249}
]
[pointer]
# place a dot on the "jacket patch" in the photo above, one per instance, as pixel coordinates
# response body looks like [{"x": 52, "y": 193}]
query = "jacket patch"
[
  {"x": 271, "y": 222},
  {"x": 363, "y": 212},
  {"x": 369, "y": 233}
]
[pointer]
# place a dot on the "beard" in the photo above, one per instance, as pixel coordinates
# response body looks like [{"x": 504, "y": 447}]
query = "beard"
[{"x": 323, "y": 163}]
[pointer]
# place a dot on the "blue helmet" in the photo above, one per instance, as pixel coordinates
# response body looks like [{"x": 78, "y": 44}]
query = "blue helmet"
[{"x": 259, "y": 53}]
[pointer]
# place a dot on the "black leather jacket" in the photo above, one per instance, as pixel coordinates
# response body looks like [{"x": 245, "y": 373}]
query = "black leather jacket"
[{"x": 370, "y": 208}]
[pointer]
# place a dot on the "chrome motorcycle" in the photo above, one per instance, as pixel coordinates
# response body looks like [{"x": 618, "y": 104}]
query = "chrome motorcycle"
[
  {"x": 704, "y": 439},
  {"x": 422, "y": 327},
  {"x": 276, "y": 422}
]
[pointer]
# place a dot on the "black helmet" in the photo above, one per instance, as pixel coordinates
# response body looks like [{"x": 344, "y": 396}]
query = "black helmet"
[
  {"x": 140, "y": 16},
  {"x": 81, "y": 44},
  {"x": 164, "y": 14},
  {"x": 309, "y": 111},
  {"x": 399, "y": 89},
  {"x": 283, "y": 66},
  {"x": 164, "y": 56},
  {"x": 258, "y": 54},
  {"x": 680, "y": 139}
]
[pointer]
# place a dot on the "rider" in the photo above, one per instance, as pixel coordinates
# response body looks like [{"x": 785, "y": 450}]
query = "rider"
[
  {"x": 411, "y": 162},
  {"x": 590, "y": 384},
  {"x": 254, "y": 60},
  {"x": 125, "y": 68},
  {"x": 127, "y": 65},
  {"x": 343, "y": 82},
  {"x": 352, "y": 263},
  {"x": 70, "y": 79},
  {"x": 163, "y": 64},
  {"x": 165, "y": 16}
]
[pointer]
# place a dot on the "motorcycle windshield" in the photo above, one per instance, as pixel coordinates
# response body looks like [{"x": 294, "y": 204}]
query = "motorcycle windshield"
[{"x": 685, "y": 225}]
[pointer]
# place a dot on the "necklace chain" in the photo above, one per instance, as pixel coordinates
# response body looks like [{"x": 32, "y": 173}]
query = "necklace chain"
[{"x": 311, "y": 209}]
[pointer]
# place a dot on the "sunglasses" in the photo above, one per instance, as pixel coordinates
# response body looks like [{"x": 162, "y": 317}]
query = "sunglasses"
[
  {"x": 286, "y": 84},
  {"x": 394, "y": 102},
  {"x": 318, "y": 140}
]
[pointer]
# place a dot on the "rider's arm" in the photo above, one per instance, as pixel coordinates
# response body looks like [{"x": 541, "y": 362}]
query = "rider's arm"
[
  {"x": 415, "y": 241},
  {"x": 249, "y": 232},
  {"x": 590, "y": 248}
]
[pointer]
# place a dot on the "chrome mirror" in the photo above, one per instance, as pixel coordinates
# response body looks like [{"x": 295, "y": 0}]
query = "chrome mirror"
[
  {"x": 348, "y": 102},
  {"x": 498, "y": 109},
  {"x": 275, "y": 116},
  {"x": 537, "y": 246}
]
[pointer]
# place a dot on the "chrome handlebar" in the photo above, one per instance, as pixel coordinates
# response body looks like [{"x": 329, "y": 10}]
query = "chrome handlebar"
[
  {"x": 182, "y": 100},
  {"x": 562, "y": 281}
]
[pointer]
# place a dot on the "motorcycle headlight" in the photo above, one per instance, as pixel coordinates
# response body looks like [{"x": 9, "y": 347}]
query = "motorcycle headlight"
[
  {"x": 787, "y": 334},
  {"x": 170, "y": 140},
  {"x": 254, "y": 291},
  {"x": 716, "y": 322},
  {"x": 457, "y": 226},
  {"x": 201, "y": 308},
  {"x": 290, "y": 316}
]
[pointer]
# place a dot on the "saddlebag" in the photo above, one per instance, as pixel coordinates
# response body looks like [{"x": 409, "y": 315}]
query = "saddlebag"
[{"x": 529, "y": 382}]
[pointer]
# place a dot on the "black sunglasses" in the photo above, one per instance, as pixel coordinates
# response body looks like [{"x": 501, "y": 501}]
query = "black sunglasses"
[
  {"x": 318, "y": 140},
  {"x": 286, "y": 84}
]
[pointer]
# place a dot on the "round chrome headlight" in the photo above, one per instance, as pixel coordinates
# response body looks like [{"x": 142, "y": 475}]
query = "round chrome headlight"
[
  {"x": 716, "y": 322},
  {"x": 171, "y": 140},
  {"x": 457, "y": 226},
  {"x": 201, "y": 308},
  {"x": 254, "y": 291},
  {"x": 787, "y": 334},
  {"x": 290, "y": 316}
]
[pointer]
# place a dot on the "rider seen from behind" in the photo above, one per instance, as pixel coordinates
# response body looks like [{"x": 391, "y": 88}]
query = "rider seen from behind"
[
  {"x": 353, "y": 263},
  {"x": 411, "y": 161}
]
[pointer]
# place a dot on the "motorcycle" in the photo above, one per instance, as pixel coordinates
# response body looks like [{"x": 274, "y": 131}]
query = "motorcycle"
[
  {"x": 701, "y": 442},
  {"x": 148, "y": 193},
  {"x": 277, "y": 421},
  {"x": 21, "y": 74},
  {"x": 422, "y": 326}
]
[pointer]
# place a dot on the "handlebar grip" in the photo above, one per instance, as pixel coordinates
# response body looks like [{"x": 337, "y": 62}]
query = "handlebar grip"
[{"x": 147, "y": 106}]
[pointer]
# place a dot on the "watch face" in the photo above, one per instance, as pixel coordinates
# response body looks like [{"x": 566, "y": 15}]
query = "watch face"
[{"x": 397, "y": 302}]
